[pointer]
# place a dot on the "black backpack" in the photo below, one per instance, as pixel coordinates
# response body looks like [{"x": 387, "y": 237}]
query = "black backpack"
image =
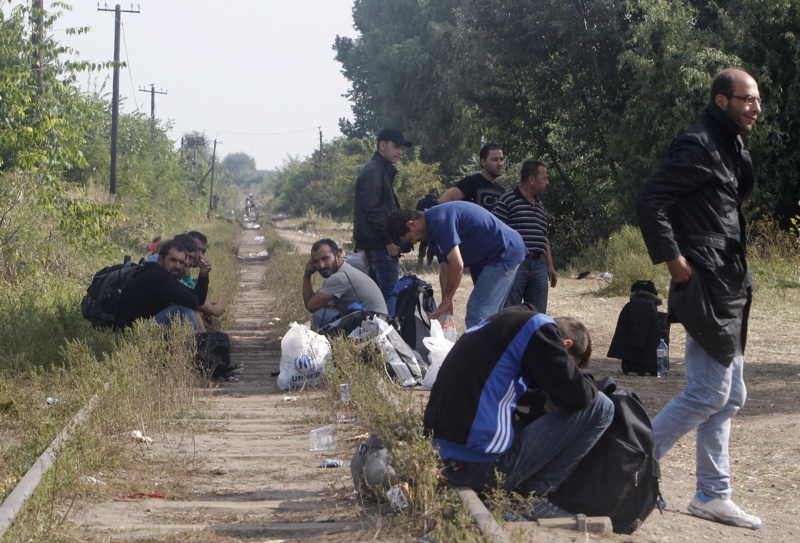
[
  {"x": 100, "y": 303},
  {"x": 411, "y": 301},
  {"x": 640, "y": 326},
  {"x": 619, "y": 478},
  {"x": 214, "y": 355}
]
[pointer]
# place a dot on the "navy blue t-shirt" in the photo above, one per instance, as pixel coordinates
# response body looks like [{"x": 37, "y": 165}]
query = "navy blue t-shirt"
[{"x": 481, "y": 237}]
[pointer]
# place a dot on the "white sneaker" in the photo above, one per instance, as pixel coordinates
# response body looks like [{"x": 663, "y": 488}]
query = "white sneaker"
[{"x": 724, "y": 511}]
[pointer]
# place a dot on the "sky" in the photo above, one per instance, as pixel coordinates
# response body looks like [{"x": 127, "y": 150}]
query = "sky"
[{"x": 259, "y": 76}]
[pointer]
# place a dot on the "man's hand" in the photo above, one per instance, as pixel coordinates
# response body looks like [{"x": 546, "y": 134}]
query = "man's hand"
[
  {"x": 205, "y": 266},
  {"x": 393, "y": 249},
  {"x": 214, "y": 308},
  {"x": 553, "y": 276},
  {"x": 680, "y": 270},
  {"x": 445, "y": 307},
  {"x": 310, "y": 270}
]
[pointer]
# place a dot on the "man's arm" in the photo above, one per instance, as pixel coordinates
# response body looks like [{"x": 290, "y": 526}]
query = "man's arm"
[
  {"x": 551, "y": 368},
  {"x": 551, "y": 271},
  {"x": 450, "y": 195},
  {"x": 685, "y": 169},
  {"x": 214, "y": 309},
  {"x": 313, "y": 300},
  {"x": 680, "y": 269},
  {"x": 450, "y": 278}
]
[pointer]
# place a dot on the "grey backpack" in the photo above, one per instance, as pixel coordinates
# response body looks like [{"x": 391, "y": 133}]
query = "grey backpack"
[{"x": 372, "y": 469}]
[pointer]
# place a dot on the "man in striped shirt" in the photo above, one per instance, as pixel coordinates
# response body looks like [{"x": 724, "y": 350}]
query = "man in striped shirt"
[{"x": 521, "y": 210}]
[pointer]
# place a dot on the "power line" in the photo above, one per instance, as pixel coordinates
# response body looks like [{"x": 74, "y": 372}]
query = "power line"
[
  {"x": 128, "y": 64},
  {"x": 266, "y": 134}
]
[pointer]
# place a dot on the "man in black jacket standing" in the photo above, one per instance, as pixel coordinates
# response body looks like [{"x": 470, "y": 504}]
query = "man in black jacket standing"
[
  {"x": 690, "y": 214},
  {"x": 375, "y": 198}
]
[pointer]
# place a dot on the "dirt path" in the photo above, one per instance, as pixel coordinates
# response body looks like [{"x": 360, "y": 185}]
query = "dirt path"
[
  {"x": 256, "y": 477},
  {"x": 765, "y": 435}
]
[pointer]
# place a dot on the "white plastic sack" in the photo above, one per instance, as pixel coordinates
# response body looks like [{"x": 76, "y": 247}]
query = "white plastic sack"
[
  {"x": 438, "y": 347},
  {"x": 401, "y": 362},
  {"x": 303, "y": 357}
]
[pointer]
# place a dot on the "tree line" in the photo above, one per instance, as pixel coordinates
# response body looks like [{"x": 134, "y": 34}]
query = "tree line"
[
  {"x": 596, "y": 88},
  {"x": 55, "y": 161}
]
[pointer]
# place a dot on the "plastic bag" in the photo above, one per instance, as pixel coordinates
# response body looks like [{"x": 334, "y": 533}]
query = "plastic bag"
[
  {"x": 438, "y": 347},
  {"x": 303, "y": 356},
  {"x": 448, "y": 327},
  {"x": 401, "y": 361}
]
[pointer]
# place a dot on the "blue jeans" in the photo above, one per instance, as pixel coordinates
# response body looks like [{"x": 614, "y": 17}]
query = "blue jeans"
[
  {"x": 490, "y": 292},
  {"x": 384, "y": 270},
  {"x": 531, "y": 284},
  {"x": 173, "y": 312},
  {"x": 544, "y": 453},
  {"x": 324, "y": 316},
  {"x": 713, "y": 395}
]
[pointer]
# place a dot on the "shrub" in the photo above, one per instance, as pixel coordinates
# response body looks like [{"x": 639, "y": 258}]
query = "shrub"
[{"x": 624, "y": 255}]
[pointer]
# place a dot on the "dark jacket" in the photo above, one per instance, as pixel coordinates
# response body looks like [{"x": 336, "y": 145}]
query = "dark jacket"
[
  {"x": 428, "y": 202},
  {"x": 692, "y": 206},
  {"x": 375, "y": 199},
  {"x": 471, "y": 406},
  {"x": 151, "y": 291}
]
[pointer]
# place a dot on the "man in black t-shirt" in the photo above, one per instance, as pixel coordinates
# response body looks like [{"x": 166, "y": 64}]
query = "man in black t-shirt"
[
  {"x": 481, "y": 188},
  {"x": 430, "y": 200}
]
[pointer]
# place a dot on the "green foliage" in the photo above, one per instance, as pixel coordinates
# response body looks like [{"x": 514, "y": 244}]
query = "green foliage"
[
  {"x": 772, "y": 255},
  {"x": 624, "y": 255},
  {"x": 44, "y": 115},
  {"x": 597, "y": 89},
  {"x": 242, "y": 168},
  {"x": 401, "y": 73}
]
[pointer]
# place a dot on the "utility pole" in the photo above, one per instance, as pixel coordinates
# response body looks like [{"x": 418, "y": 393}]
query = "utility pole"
[
  {"x": 37, "y": 39},
  {"x": 115, "y": 98},
  {"x": 153, "y": 93},
  {"x": 211, "y": 192},
  {"x": 321, "y": 173}
]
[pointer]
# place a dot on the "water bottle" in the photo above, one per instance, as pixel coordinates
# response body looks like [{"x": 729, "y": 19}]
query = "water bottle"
[
  {"x": 662, "y": 359},
  {"x": 449, "y": 327}
]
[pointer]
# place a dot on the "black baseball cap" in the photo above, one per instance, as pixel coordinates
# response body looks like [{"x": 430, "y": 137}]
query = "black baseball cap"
[{"x": 394, "y": 135}]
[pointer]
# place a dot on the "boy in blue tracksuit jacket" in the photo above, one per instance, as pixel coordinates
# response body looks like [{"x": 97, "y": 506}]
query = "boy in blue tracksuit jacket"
[{"x": 470, "y": 414}]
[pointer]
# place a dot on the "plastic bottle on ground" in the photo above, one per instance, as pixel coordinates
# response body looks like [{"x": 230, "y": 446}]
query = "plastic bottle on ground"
[{"x": 662, "y": 359}]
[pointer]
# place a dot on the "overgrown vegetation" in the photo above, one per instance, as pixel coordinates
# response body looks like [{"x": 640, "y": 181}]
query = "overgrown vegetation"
[
  {"x": 596, "y": 89},
  {"x": 147, "y": 384},
  {"x": 395, "y": 414}
]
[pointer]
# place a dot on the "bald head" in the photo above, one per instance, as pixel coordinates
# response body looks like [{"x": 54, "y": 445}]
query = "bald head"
[{"x": 736, "y": 93}]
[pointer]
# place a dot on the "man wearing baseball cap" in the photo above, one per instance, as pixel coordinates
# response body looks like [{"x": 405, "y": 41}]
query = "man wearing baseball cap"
[{"x": 375, "y": 198}]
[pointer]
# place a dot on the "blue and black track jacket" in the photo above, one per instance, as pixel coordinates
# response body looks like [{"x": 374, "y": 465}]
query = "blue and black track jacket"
[{"x": 471, "y": 406}]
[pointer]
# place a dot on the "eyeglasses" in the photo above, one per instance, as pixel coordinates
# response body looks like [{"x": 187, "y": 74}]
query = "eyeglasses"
[{"x": 749, "y": 99}]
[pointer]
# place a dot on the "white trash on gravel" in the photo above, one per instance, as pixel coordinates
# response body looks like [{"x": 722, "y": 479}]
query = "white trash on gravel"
[{"x": 303, "y": 357}]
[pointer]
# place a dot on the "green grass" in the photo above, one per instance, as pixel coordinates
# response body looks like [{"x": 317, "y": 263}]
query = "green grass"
[{"x": 144, "y": 381}]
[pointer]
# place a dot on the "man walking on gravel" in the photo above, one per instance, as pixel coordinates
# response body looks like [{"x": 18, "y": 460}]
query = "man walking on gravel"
[{"x": 690, "y": 214}]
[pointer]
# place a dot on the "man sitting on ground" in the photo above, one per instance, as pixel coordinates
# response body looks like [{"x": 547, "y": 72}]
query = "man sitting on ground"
[
  {"x": 208, "y": 310},
  {"x": 157, "y": 292},
  {"x": 470, "y": 413},
  {"x": 343, "y": 286}
]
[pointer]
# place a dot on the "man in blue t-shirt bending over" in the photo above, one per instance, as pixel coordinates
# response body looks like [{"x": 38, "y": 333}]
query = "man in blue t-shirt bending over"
[{"x": 463, "y": 234}]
